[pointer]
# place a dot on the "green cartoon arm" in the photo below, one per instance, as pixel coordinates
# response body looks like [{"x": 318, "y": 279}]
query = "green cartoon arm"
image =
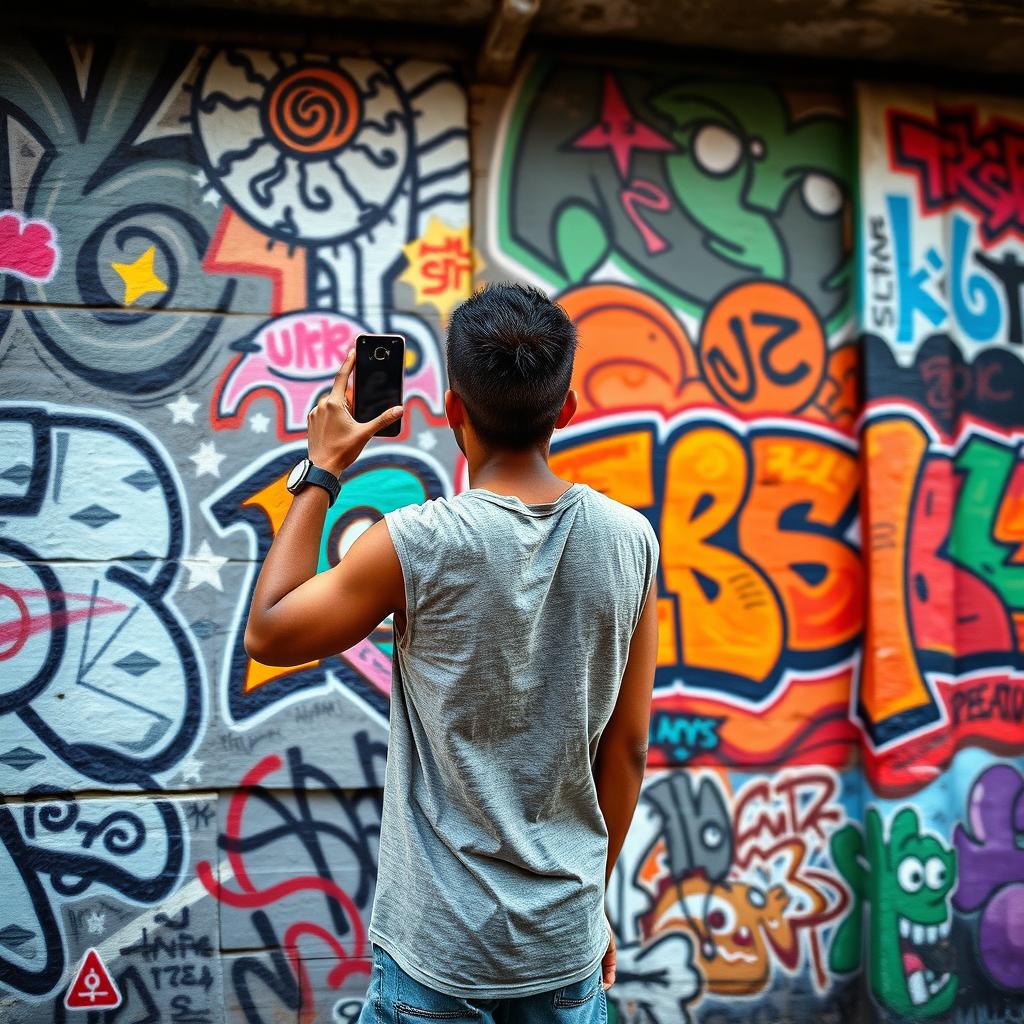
[
  {"x": 876, "y": 837},
  {"x": 847, "y": 845}
]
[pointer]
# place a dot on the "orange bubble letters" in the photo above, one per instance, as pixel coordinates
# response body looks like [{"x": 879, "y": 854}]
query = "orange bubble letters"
[{"x": 757, "y": 572}]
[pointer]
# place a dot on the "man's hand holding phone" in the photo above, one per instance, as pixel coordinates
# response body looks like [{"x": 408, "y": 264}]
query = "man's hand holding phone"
[{"x": 335, "y": 437}]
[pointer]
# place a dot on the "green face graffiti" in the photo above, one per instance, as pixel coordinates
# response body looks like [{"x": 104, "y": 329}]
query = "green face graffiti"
[
  {"x": 906, "y": 882},
  {"x": 740, "y": 158},
  {"x": 684, "y": 187}
]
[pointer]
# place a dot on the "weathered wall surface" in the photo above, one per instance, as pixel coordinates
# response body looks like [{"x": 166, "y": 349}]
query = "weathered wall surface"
[
  {"x": 189, "y": 242},
  {"x": 833, "y": 820}
]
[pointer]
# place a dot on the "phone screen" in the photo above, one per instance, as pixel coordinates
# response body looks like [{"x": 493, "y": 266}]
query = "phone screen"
[{"x": 380, "y": 368}]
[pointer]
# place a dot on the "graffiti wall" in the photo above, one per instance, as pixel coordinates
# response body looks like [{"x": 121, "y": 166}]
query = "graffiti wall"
[
  {"x": 778, "y": 368},
  {"x": 190, "y": 240},
  {"x": 799, "y": 358},
  {"x": 801, "y": 894},
  {"x": 941, "y": 233},
  {"x": 701, "y": 232}
]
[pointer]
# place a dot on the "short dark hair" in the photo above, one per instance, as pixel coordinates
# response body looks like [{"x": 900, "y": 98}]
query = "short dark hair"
[{"x": 510, "y": 356}]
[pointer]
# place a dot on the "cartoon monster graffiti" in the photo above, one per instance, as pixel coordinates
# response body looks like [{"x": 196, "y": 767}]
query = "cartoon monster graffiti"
[
  {"x": 732, "y": 170},
  {"x": 652, "y": 173},
  {"x": 990, "y": 850},
  {"x": 904, "y": 882},
  {"x": 733, "y": 924},
  {"x": 749, "y": 887}
]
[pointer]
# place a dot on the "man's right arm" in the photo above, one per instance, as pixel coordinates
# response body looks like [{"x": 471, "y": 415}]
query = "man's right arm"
[{"x": 622, "y": 750}]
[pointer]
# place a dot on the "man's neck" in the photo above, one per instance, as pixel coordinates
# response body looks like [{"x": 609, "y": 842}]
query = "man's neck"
[{"x": 521, "y": 474}]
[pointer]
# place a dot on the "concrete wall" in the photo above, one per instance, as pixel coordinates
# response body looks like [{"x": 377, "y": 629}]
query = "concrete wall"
[{"x": 189, "y": 241}]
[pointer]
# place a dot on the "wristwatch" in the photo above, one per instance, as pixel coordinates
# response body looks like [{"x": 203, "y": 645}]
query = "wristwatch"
[{"x": 306, "y": 473}]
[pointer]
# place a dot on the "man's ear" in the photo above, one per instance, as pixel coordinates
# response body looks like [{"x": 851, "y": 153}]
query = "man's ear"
[
  {"x": 568, "y": 409},
  {"x": 454, "y": 410}
]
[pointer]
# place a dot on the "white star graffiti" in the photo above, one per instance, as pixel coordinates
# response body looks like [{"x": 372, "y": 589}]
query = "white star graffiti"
[
  {"x": 204, "y": 567},
  {"x": 207, "y": 459}
]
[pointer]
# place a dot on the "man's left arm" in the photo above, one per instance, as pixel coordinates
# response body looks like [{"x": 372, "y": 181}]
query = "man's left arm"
[{"x": 298, "y": 615}]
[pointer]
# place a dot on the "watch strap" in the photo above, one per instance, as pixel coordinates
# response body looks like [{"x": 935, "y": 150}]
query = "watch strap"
[{"x": 328, "y": 481}]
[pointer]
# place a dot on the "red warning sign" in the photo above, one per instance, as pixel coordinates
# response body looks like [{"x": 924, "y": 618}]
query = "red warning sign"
[{"x": 93, "y": 986}]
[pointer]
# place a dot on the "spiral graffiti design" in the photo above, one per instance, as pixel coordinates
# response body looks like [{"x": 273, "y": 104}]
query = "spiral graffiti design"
[
  {"x": 309, "y": 151},
  {"x": 313, "y": 110},
  {"x": 124, "y": 235}
]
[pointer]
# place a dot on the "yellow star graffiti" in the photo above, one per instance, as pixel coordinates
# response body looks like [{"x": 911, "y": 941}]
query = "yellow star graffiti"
[
  {"x": 441, "y": 265},
  {"x": 139, "y": 277}
]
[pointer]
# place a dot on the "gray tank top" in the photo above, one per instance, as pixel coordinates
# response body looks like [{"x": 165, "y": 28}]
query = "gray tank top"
[{"x": 492, "y": 846}]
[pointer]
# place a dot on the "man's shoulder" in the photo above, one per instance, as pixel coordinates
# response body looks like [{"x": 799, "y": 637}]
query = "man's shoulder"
[
  {"x": 421, "y": 513},
  {"x": 621, "y": 517}
]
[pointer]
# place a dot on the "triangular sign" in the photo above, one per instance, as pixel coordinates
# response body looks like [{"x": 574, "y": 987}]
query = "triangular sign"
[{"x": 93, "y": 986}]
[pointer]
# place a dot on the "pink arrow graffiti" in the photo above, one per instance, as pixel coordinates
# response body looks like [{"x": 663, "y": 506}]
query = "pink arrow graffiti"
[{"x": 15, "y": 631}]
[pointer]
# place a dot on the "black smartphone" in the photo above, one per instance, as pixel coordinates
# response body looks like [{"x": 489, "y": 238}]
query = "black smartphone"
[{"x": 380, "y": 368}]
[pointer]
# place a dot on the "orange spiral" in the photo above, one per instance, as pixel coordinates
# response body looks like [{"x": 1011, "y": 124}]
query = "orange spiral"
[{"x": 314, "y": 110}]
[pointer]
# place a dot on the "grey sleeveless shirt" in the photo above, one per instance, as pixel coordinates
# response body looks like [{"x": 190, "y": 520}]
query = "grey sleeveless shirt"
[{"x": 492, "y": 845}]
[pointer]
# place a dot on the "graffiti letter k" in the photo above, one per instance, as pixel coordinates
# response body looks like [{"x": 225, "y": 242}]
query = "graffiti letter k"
[{"x": 912, "y": 295}]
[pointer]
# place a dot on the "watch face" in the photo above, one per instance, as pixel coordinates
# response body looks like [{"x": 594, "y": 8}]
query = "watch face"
[{"x": 298, "y": 474}]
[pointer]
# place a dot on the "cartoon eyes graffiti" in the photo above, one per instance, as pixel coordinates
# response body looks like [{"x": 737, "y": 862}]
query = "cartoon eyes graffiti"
[
  {"x": 934, "y": 873},
  {"x": 756, "y": 898},
  {"x": 712, "y": 836},
  {"x": 716, "y": 149},
  {"x": 912, "y": 874},
  {"x": 718, "y": 916},
  {"x": 821, "y": 194}
]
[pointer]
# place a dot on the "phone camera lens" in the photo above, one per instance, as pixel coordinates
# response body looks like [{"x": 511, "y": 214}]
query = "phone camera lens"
[{"x": 380, "y": 352}]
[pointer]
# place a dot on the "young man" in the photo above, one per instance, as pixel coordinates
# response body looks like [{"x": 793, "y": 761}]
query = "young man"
[{"x": 525, "y": 644}]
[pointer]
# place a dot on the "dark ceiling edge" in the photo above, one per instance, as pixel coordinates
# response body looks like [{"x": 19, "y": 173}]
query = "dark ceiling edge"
[
  {"x": 795, "y": 68},
  {"x": 208, "y": 25},
  {"x": 461, "y": 44}
]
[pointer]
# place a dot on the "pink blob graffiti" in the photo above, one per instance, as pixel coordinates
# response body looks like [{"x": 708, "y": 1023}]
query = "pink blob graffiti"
[{"x": 27, "y": 247}]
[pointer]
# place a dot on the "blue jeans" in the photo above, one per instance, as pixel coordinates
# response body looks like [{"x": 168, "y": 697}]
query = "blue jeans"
[{"x": 395, "y": 998}]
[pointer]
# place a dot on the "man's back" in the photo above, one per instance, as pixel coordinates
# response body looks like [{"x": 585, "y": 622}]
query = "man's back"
[
  {"x": 518, "y": 624},
  {"x": 523, "y": 677}
]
